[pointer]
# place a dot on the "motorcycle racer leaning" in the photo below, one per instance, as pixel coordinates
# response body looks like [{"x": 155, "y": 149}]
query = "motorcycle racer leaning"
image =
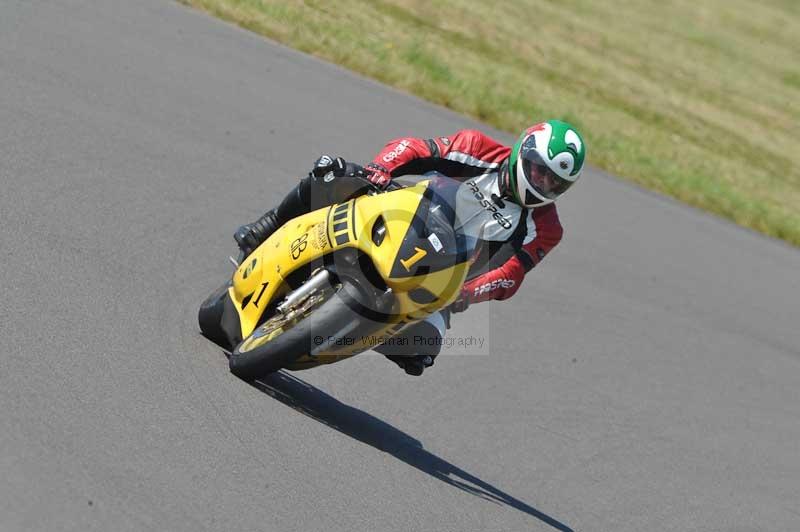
[{"x": 513, "y": 187}]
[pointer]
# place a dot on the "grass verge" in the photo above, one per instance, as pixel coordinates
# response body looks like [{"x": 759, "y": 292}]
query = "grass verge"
[{"x": 698, "y": 100}]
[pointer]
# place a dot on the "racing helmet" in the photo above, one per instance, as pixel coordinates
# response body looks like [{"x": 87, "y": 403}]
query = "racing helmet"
[{"x": 546, "y": 160}]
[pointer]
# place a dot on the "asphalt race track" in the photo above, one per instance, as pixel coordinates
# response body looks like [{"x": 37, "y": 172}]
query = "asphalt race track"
[{"x": 648, "y": 378}]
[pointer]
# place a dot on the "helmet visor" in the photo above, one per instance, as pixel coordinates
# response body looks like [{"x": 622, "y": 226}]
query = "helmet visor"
[{"x": 546, "y": 182}]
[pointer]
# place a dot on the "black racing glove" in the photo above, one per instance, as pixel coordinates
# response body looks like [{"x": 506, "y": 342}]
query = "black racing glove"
[
  {"x": 327, "y": 164},
  {"x": 462, "y": 303}
]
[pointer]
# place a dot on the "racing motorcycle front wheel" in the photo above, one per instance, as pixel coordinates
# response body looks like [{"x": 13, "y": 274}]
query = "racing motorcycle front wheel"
[{"x": 320, "y": 308}]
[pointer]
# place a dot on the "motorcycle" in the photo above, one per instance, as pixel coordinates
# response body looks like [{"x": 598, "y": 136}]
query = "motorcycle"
[{"x": 343, "y": 279}]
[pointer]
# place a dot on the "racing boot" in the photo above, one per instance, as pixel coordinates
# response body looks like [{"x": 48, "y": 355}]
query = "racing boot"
[
  {"x": 415, "y": 348},
  {"x": 249, "y": 236},
  {"x": 296, "y": 202},
  {"x": 325, "y": 180},
  {"x": 413, "y": 365}
]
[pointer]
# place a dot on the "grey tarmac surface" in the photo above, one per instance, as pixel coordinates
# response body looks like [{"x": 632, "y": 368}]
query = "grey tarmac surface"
[{"x": 647, "y": 379}]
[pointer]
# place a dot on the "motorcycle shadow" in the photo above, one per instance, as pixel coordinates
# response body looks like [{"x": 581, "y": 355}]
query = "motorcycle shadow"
[{"x": 316, "y": 404}]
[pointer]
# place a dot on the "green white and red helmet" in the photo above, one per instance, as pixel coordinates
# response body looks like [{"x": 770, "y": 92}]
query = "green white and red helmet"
[{"x": 546, "y": 160}]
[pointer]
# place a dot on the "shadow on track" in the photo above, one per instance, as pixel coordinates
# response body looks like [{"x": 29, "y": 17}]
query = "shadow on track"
[{"x": 314, "y": 403}]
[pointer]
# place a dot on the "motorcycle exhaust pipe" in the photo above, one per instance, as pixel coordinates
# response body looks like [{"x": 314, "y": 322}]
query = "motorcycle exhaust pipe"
[{"x": 317, "y": 281}]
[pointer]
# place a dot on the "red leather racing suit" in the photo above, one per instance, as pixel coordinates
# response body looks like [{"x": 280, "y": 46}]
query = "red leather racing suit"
[{"x": 471, "y": 155}]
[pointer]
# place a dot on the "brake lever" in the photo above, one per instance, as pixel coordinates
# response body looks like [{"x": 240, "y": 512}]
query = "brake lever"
[{"x": 236, "y": 262}]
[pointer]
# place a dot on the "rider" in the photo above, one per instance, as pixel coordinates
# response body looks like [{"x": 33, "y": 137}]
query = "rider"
[{"x": 520, "y": 183}]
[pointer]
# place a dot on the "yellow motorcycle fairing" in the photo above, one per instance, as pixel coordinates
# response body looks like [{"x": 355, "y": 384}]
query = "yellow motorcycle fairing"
[{"x": 421, "y": 279}]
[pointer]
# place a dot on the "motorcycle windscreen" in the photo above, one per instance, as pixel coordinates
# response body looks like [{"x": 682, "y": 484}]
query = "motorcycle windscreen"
[{"x": 432, "y": 242}]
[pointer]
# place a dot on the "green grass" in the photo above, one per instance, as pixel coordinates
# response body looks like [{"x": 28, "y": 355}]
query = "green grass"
[{"x": 699, "y": 100}]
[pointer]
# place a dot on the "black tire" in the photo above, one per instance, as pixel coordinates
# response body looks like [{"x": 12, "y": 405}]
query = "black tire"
[
  {"x": 211, "y": 314},
  {"x": 329, "y": 318}
]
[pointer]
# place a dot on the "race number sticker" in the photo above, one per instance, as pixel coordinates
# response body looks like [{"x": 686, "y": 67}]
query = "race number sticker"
[{"x": 435, "y": 242}]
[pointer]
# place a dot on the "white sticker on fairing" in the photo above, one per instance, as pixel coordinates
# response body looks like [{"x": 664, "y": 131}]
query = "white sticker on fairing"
[{"x": 435, "y": 242}]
